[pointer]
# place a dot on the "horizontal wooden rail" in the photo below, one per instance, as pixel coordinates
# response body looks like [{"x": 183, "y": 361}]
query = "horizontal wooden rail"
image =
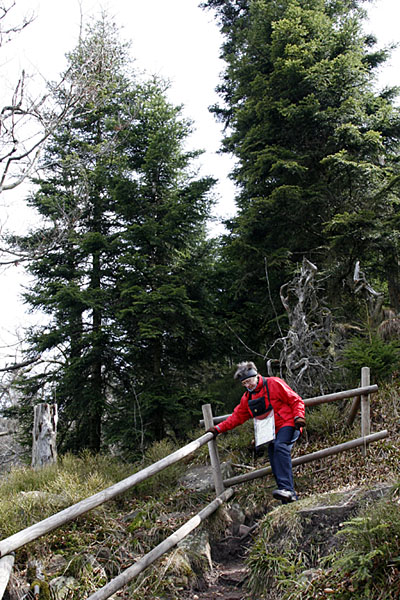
[
  {"x": 361, "y": 391},
  {"x": 126, "y": 576},
  {"x": 374, "y": 437},
  {"x": 72, "y": 512}
]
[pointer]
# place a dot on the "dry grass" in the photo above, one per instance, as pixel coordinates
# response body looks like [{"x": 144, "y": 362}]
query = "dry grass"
[{"x": 115, "y": 535}]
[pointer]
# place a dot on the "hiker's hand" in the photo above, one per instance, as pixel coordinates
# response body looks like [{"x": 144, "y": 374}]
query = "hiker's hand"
[
  {"x": 299, "y": 422},
  {"x": 214, "y": 431}
]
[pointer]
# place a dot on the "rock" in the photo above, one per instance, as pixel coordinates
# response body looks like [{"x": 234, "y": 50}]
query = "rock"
[
  {"x": 197, "y": 545},
  {"x": 238, "y": 518},
  {"x": 54, "y": 500},
  {"x": 244, "y": 530},
  {"x": 200, "y": 479},
  {"x": 63, "y": 586},
  {"x": 56, "y": 564},
  {"x": 321, "y": 520},
  {"x": 34, "y": 570},
  {"x": 309, "y": 574}
]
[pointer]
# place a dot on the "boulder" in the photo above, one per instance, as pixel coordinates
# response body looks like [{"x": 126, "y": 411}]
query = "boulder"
[
  {"x": 200, "y": 479},
  {"x": 197, "y": 545},
  {"x": 322, "y": 516}
]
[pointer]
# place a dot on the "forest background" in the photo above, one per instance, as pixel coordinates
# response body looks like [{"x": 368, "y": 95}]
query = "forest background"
[{"x": 146, "y": 314}]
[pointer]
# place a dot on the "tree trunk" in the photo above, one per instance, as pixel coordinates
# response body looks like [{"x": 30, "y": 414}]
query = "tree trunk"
[
  {"x": 158, "y": 421},
  {"x": 393, "y": 279},
  {"x": 96, "y": 407},
  {"x": 44, "y": 449}
]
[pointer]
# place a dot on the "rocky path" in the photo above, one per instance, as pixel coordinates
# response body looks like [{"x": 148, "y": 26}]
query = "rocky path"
[
  {"x": 226, "y": 583},
  {"x": 229, "y": 574}
]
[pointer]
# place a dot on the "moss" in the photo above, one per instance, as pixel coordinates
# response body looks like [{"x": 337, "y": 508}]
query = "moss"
[{"x": 44, "y": 589}]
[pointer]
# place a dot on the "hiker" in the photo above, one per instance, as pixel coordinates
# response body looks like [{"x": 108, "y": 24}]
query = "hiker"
[{"x": 279, "y": 417}]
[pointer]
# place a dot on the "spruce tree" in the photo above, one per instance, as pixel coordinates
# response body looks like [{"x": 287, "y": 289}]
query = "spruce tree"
[
  {"x": 119, "y": 259},
  {"x": 165, "y": 311},
  {"x": 315, "y": 143}
]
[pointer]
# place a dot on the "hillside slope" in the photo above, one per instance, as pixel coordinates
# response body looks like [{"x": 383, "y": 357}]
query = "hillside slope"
[{"x": 84, "y": 555}]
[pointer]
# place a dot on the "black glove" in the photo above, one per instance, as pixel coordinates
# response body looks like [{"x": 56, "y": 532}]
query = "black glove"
[
  {"x": 214, "y": 431},
  {"x": 299, "y": 422}
]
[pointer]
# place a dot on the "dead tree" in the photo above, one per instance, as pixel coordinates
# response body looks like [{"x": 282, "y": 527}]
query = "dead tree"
[
  {"x": 27, "y": 121},
  {"x": 305, "y": 357},
  {"x": 44, "y": 449}
]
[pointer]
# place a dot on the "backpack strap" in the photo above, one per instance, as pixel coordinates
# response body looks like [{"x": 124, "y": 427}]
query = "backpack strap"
[
  {"x": 265, "y": 382},
  {"x": 265, "y": 386}
]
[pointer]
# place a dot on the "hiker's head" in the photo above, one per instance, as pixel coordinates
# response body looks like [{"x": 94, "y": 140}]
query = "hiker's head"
[{"x": 246, "y": 373}]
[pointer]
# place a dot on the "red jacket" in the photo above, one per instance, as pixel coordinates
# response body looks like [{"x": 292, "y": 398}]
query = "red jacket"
[{"x": 286, "y": 404}]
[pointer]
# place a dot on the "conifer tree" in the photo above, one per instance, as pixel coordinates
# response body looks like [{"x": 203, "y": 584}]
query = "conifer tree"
[
  {"x": 120, "y": 255},
  {"x": 315, "y": 143}
]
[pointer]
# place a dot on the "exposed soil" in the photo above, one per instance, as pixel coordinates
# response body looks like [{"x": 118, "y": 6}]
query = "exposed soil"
[
  {"x": 229, "y": 573},
  {"x": 225, "y": 583}
]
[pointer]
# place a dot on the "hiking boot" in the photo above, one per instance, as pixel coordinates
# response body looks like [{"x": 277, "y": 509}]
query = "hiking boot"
[{"x": 285, "y": 496}]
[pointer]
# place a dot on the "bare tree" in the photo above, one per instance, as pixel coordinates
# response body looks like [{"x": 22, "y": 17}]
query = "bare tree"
[
  {"x": 26, "y": 121},
  {"x": 305, "y": 356},
  {"x": 7, "y": 29}
]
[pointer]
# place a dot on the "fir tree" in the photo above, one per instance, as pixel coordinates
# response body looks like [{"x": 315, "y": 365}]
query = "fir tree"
[
  {"x": 315, "y": 143},
  {"x": 118, "y": 262}
]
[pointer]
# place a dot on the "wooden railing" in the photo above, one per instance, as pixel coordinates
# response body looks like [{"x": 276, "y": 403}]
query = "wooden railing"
[
  {"x": 361, "y": 396},
  {"x": 19, "y": 539}
]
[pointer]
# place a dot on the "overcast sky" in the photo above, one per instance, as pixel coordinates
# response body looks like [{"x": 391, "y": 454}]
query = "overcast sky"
[{"x": 171, "y": 38}]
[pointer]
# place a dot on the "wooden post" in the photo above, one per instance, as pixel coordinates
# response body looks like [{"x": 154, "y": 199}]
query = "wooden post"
[
  {"x": 365, "y": 408},
  {"x": 213, "y": 450},
  {"x": 44, "y": 449},
  {"x": 6, "y": 565},
  {"x": 353, "y": 411}
]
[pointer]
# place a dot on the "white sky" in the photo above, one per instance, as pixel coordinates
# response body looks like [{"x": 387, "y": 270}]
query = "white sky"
[{"x": 172, "y": 38}]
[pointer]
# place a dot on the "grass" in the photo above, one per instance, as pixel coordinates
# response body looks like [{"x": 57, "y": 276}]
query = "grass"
[{"x": 99, "y": 545}]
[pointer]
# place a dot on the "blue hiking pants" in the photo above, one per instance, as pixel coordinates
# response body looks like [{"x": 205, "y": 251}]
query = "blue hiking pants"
[{"x": 279, "y": 452}]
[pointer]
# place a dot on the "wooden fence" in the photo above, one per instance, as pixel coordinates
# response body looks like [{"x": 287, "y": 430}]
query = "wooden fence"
[
  {"x": 360, "y": 396},
  {"x": 21, "y": 538},
  {"x": 17, "y": 540}
]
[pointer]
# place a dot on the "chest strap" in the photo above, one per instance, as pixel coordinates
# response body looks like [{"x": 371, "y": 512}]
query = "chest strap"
[{"x": 255, "y": 405}]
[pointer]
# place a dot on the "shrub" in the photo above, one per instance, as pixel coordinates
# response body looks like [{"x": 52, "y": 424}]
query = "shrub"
[
  {"x": 323, "y": 419},
  {"x": 383, "y": 358}
]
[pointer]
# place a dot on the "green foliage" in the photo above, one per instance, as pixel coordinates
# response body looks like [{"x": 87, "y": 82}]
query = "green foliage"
[
  {"x": 323, "y": 419},
  {"x": 120, "y": 262},
  {"x": 315, "y": 146},
  {"x": 372, "y": 544},
  {"x": 382, "y": 357}
]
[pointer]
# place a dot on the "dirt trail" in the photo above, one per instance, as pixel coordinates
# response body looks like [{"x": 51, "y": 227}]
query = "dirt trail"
[
  {"x": 229, "y": 574},
  {"x": 225, "y": 583}
]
